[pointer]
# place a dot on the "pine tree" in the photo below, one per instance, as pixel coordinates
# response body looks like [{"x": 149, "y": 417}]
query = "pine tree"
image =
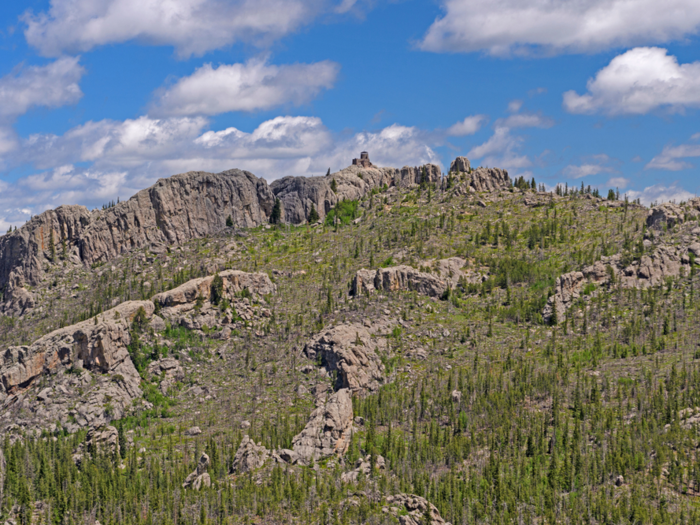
[
  {"x": 276, "y": 215},
  {"x": 313, "y": 215}
]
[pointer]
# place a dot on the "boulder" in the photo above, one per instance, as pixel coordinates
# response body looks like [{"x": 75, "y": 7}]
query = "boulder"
[
  {"x": 249, "y": 456},
  {"x": 193, "y": 431},
  {"x": 199, "y": 477},
  {"x": 411, "y": 510},
  {"x": 327, "y": 433},
  {"x": 363, "y": 466},
  {"x": 351, "y": 352}
]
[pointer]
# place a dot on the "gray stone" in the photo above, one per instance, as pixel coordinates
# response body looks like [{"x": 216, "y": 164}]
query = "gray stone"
[
  {"x": 249, "y": 456},
  {"x": 328, "y": 431},
  {"x": 97, "y": 350},
  {"x": 411, "y": 510},
  {"x": 174, "y": 210},
  {"x": 193, "y": 431},
  {"x": 358, "y": 366},
  {"x": 460, "y": 165},
  {"x": 199, "y": 477}
]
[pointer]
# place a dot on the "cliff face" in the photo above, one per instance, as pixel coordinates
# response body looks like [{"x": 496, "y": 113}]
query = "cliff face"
[
  {"x": 174, "y": 210},
  {"x": 298, "y": 194}
]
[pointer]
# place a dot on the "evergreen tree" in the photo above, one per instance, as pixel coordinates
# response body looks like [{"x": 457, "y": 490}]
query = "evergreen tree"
[
  {"x": 313, "y": 215},
  {"x": 276, "y": 215}
]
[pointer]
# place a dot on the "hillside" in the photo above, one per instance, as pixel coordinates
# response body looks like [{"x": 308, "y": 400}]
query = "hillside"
[{"x": 379, "y": 345}]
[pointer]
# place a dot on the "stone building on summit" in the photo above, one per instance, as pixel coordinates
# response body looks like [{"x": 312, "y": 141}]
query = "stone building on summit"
[{"x": 362, "y": 161}]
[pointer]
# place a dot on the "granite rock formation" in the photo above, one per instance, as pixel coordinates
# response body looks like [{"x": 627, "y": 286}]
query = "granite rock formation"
[
  {"x": 327, "y": 433},
  {"x": 444, "y": 274},
  {"x": 411, "y": 510},
  {"x": 299, "y": 194},
  {"x": 249, "y": 456},
  {"x": 90, "y": 357},
  {"x": 350, "y": 351},
  {"x": 174, "y": 210},
  {"x": 199, "y": 477},
  {"x": 650, "y": 270}
]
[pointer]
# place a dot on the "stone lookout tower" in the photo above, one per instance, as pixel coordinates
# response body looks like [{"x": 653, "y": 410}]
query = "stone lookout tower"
[{"x": 362, "y": 161}]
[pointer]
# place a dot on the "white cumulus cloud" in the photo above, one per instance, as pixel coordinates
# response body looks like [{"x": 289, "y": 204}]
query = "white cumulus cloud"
[
  {"x": 468, "y": 126},
  {"x": 502, "y": 148},
  {"x": 506, "y": 27},
  {"x": 191, "y": 26},
  {"x": 52, "y": 85},
  {"x": 661, "y": 193},
  {"x": 637, "y": 82},
  {"x": 672, "y": 158},
  {"x": 255, "y": 85}
]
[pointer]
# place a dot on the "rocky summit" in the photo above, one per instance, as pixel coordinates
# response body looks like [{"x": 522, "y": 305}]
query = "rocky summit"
[{"x": 376, "y": 345}]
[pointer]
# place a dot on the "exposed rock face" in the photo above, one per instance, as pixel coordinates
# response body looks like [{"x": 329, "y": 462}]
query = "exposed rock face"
[
  {"x": 199, "y": 477},
  {"x": 566, "y": 291},
  {"x": 649, "y": 270},
  {"x": 97, "y": 356},
  {"x": 448, "y": 273},
  {"x": 350, "y": 350},
  {"x": 363, "y": 466},
  {"x": 490, "y": 179},
  {"x": 411, "y": 510},
  {"x": 103, "y": 440},
  {"x": 190, "y": 304},
  {"x": 480, "y": 179},
  {"x": 173, "y": 210},
  {"x": 328, "y": 431},
  {"x": 665, "y": 214},
  {"x": 460, "y": 165},
  {"x": 298, "y": 194},
  {"x": 169, "y": 370},
  {"x": 234, "y": 282},
  {"x": 249, "y": 456}
]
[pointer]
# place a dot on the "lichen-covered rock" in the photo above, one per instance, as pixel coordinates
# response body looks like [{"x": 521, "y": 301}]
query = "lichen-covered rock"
[
  {"x": 328, "y": 431},
  {"x": 350, "y": 350},
  {"x": 363, "y": 466},
  {"x": 90, "y": 357},
  {"x": 249, "y": 456},
  {"x": 199, "y": 477},
  {"x": 174, "y": 210},
  {"x": 411, "y": 510}
]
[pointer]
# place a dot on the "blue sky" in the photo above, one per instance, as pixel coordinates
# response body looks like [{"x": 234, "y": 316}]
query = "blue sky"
[{"x": 100, "y": 98}]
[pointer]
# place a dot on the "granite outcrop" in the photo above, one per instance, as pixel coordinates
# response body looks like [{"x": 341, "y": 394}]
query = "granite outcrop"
[{"x": 75, "y": 377}]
